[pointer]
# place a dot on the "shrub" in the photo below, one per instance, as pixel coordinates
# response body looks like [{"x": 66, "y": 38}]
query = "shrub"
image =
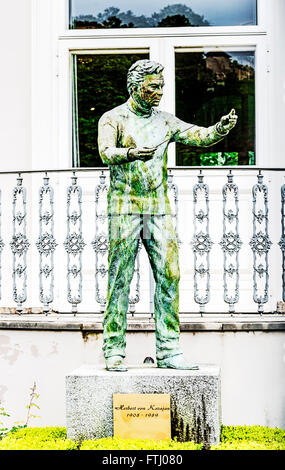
[
  {"x": 232, "y": 438},
  {"x": 45, "y": 434},
  {"x": 33, "y": 396},
  {"x": 50, "y": 438},
  {"x": 251, "y": 438},
  {"x": 137, "y": 444},
  {"x": 252, "y": 433},
  {"x": 249, "y": 445}
]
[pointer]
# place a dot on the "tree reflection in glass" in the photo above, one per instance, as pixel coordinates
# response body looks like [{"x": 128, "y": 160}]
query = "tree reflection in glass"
[
  {"x": 90, "y": 14},
  {"x": 101, "y": 85},
  {"x": 207, "y": 85}
]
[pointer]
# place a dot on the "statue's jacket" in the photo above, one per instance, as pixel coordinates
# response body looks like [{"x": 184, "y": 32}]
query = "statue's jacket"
[{"x": 138, "y": 187}]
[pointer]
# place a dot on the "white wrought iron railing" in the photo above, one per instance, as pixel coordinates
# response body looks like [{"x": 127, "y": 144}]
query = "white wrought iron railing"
[{"x": 50, "y": 218}]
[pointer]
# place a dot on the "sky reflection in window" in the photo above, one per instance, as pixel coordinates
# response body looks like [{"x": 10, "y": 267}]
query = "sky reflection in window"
[{"x": 86, "y": 14}]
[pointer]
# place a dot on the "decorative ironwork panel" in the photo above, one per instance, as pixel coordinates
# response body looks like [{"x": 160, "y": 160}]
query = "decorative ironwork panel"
[
  {"x": 282, "y": 239},
  {"x": 201, "y": 243},
  {"x": 100, "y": 245},
  {"x": 46, "y": 243},
  {"x": 19, "y": 244},
  {"x": 231, "y": 242},
  {"x": 74, "y": 244},
  {"x": 134, "y": 297},
  {"x": 100, "y": 242},
  {"x": 260, "y": 243},
  {"x": 172, "y": 190}
]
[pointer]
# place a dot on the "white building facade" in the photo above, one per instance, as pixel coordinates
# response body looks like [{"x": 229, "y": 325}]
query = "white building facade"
[{"x": 53, "y": 289}]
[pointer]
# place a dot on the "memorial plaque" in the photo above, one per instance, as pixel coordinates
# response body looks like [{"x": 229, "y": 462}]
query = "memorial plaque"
[{"x": 141, "y": 416}]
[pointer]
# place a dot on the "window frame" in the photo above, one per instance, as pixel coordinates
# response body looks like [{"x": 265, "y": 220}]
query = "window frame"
[
  {"x": 67, "y": 42},
  {"x": 256, "y": 44}
]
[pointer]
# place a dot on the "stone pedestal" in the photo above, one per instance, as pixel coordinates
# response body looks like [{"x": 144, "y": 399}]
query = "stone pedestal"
[{"x": 194, "y": 398}]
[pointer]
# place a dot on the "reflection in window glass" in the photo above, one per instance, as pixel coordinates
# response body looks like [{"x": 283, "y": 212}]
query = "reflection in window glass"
[
  {"x": 161, "y": 13},
  {"x": 208, "y": 86},
  {"x": 100, "y": 86}
]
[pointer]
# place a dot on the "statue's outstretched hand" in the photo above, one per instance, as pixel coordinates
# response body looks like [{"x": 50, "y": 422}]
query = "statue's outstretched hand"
[
  {"x": 227, "y": 122},
  {"x": 142, "y": 153}
]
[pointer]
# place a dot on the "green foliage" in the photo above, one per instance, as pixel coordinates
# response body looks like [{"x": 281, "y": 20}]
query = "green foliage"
[
  {"x": 249, "y": 445},
  {"x": 137, "y": 444},
  {"x": 232, "y": 438},
  {"x": 17, "y": 425},
  {"x": 4, "y": 431},
  {"x": 251, "y": 438},
  {"x": 33, "y": 396},
  {"x": 252, "y": 433},
  {"x": 219, "y": 158},
  {"x": 50, "y": 438},
  {"x": 44, "y": 434}
]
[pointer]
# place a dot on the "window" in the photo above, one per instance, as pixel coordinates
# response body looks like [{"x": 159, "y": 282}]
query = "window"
[
  {"x": 102, "y": 14},
  {"x": 100, "y": 82},
  {"x": 208, "y": 70},
  {"x": 208, "y": 85}
]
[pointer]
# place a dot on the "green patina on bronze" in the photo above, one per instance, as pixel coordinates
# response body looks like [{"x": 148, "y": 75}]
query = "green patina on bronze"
[{"x": 133, "y": 139}]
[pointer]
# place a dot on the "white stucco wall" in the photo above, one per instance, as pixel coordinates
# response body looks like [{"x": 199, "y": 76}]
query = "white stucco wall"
[
  {"x": 15, "y": 84},
  {"x": 252, "y": 364},
  {"x": 276, "y": 61},
  {"x": 29, "y": 130},
  {"x": 252, "y": 370}
]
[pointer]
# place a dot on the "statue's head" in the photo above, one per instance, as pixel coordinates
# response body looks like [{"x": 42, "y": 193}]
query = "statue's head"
[{"x": 145, "y": 82}]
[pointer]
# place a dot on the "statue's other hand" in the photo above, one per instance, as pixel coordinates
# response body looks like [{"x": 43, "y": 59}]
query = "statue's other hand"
[
  {"x": 142, "y": 153},
  {"x": 228, "y": 122}
]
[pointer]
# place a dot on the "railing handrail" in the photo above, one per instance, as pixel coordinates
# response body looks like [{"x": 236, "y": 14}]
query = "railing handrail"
[{"x": 172, "y": 168}]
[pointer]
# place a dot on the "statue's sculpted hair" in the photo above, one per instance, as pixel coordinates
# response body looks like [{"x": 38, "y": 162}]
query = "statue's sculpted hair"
[{"x": 138, "y": 71}]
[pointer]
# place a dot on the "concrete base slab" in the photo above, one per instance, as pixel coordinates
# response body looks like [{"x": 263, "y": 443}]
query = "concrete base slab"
[{"x": 194, "y": 398}]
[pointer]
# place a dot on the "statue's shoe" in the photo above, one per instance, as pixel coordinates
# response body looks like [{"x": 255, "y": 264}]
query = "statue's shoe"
[
  {"x": 176, "y": 362},
  {"x": 115, "y": 363}
]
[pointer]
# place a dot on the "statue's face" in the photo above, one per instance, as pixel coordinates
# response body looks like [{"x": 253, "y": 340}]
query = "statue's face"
[{"x": 151, "y": 90}]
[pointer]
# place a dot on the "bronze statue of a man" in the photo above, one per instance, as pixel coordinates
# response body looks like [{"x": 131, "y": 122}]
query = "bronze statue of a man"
[{"x": 133, "y": 139}]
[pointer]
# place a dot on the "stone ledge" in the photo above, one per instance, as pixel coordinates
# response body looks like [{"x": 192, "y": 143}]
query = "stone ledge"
[{"x": 86, "y": 323}]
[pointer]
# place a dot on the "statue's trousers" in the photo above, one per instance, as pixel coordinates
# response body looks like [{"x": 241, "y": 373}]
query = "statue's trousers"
[{"x": 159, "y": 238}]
